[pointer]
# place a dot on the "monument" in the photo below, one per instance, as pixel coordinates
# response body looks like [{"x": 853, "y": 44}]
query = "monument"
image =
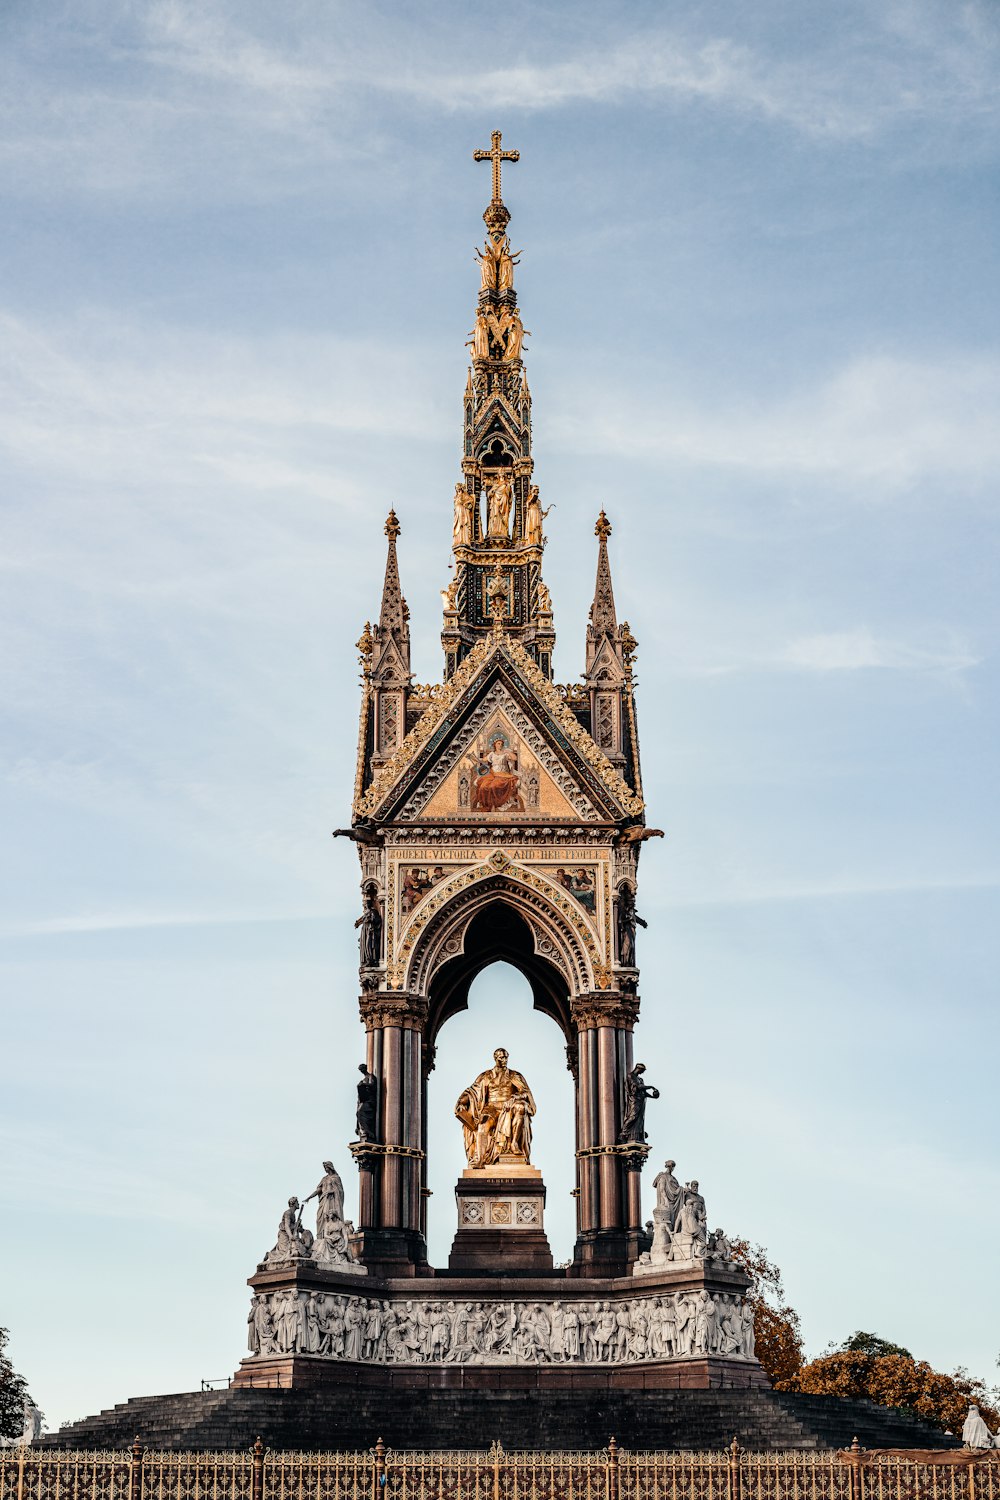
[{"x": 499, "y": 816}]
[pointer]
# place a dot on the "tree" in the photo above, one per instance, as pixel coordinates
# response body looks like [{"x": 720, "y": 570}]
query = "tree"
[
  {"x": 896, "y": 1380},
  {"x": 869, "y": 1343},
  {"x": 13, "y": 1394},
  {"x": 776, "y": 1325}
]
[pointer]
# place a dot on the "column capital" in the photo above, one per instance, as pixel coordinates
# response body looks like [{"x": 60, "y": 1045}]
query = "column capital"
[
  {"x": 604, "y": 1008},
  {"x": 381, "y": 1008}
]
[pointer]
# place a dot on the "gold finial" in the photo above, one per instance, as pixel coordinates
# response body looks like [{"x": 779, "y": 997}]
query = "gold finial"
[
  {"x": 392, "y": 526},
  {"x": 496, "y": 156},
  {"x": 603, "y": 527},
  {"x": 366, "y": 644}
]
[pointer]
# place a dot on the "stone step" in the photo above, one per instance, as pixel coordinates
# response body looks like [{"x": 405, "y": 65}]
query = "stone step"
[{"x": 353, "y": 1419}]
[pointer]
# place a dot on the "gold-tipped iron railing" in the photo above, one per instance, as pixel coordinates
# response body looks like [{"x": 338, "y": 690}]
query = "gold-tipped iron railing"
[{"x": 611, "y": 1473}]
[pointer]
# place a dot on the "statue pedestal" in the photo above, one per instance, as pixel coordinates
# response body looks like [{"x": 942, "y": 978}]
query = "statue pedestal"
[{"x": 500, "y": 1222}]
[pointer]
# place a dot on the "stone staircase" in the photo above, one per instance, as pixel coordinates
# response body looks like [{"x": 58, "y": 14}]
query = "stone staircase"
[{"x": 352, "y": 1419}]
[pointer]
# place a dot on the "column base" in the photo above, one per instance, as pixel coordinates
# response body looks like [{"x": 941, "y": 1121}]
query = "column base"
[
  {"x": 392, "y": 1252},
  {"x": 606, "y": 1252}
]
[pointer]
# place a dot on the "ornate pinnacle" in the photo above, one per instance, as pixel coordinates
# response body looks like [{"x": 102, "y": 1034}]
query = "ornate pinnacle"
[
  {"x": 393, "y": 528},
  {"x": 603, "y": 527},
  {"x": 366, "y": 644}
]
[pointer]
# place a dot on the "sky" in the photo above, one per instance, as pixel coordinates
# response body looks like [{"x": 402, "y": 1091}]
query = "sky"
[{"x": 236, "y": 278}]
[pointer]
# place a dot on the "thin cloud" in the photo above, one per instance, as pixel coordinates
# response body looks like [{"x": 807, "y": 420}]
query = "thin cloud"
[
  {"x": 860, "y": 650},
  {"x": 886, "y": 420}
]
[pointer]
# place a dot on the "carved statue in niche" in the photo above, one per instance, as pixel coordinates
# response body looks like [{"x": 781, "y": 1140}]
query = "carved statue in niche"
[
  {"x": 370, "y": 924},
  {"x": 534, "y": 515},
  {"x": 636, "y": 1094},
  {"x": 499, "y": 504},
  {"x": 496, "y": 1113},
  {"x": 627, "y": 920},
  {"x": 367, "y": 1115},
  {"x": 465, "y": 509}
]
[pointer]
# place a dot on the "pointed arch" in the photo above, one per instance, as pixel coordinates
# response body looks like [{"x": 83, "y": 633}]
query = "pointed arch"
[{"x": 490, "y": 914}]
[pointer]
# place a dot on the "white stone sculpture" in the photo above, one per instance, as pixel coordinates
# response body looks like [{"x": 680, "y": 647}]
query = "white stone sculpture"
[
  {"x": 293, "y": 1242},
  {"x": 975, "y": 1433}
]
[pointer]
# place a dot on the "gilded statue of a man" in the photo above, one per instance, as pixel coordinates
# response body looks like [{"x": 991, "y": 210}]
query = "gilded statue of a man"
[{"x": 496, "y": 1112}]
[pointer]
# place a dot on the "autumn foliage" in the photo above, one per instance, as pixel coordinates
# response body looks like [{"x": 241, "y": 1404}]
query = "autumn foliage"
[
  {"x": 777, "y": 1331},
  {"x": 896, "y": 1380}
]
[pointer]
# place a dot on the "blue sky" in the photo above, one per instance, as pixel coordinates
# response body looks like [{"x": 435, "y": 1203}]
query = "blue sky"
[{"x": 235, "y": 283}]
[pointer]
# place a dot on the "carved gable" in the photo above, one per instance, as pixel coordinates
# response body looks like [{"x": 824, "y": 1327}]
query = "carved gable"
[{"x": 499, "y": 743}]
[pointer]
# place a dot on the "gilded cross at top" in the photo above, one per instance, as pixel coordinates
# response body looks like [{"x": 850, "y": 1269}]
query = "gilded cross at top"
[{"x": 496, "y": 156}]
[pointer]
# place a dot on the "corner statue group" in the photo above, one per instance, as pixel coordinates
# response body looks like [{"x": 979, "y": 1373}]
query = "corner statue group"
[{"x": 496, "y": 1112}]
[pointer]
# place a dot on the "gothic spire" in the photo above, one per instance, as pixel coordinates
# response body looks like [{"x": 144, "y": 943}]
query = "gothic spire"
[
  {"x": 603, "y": 620},
  {"x": 603, "y": 636},
  {"x": 394, "y": 617}
]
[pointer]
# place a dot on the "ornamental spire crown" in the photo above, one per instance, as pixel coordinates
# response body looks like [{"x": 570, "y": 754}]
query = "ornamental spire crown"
[{"x": 497, "y": 535}]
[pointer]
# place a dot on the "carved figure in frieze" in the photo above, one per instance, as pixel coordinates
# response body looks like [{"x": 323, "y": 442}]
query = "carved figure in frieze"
[
  {"x": 637, "y": 1091},
  {"x": 669, "y": 1337},
  {"x": 638, "y": 1343},
  {"x": 372, "y": 1339},
  {"x": 370, "y": 927},
  {"x": 465, "y": 510},
  {"x": 367, "y": 1116},
  {"x": 730, "y": 1329},
  {"x": 266, "y": 1331},
  {"x": 749, "y": 1332},
  {"x": 354, "y": 1324},
  {"x": 604, "y": 1331},
  {"x": 253, "y": 1326},
  {"x": 496, "y": 1112},
  {"x": 557, "y": 1331},
  {"x": 705, "y": 1324},
  {"x": 627, "y": 919},
  {"x": 684, "y": 1308},
  {"x": 623, "y": 1330},
  {"x": 499, "y": 1330}
]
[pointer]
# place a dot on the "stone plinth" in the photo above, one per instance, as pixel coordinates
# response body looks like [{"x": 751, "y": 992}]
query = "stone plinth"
[{"x": 500, "y": 1222}]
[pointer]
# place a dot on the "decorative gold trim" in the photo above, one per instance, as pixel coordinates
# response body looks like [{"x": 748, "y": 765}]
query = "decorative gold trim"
[{"x": 477, "y": 658}]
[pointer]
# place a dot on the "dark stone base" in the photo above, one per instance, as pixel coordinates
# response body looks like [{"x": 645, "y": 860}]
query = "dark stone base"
[{"x": 351, "y": 1417}]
